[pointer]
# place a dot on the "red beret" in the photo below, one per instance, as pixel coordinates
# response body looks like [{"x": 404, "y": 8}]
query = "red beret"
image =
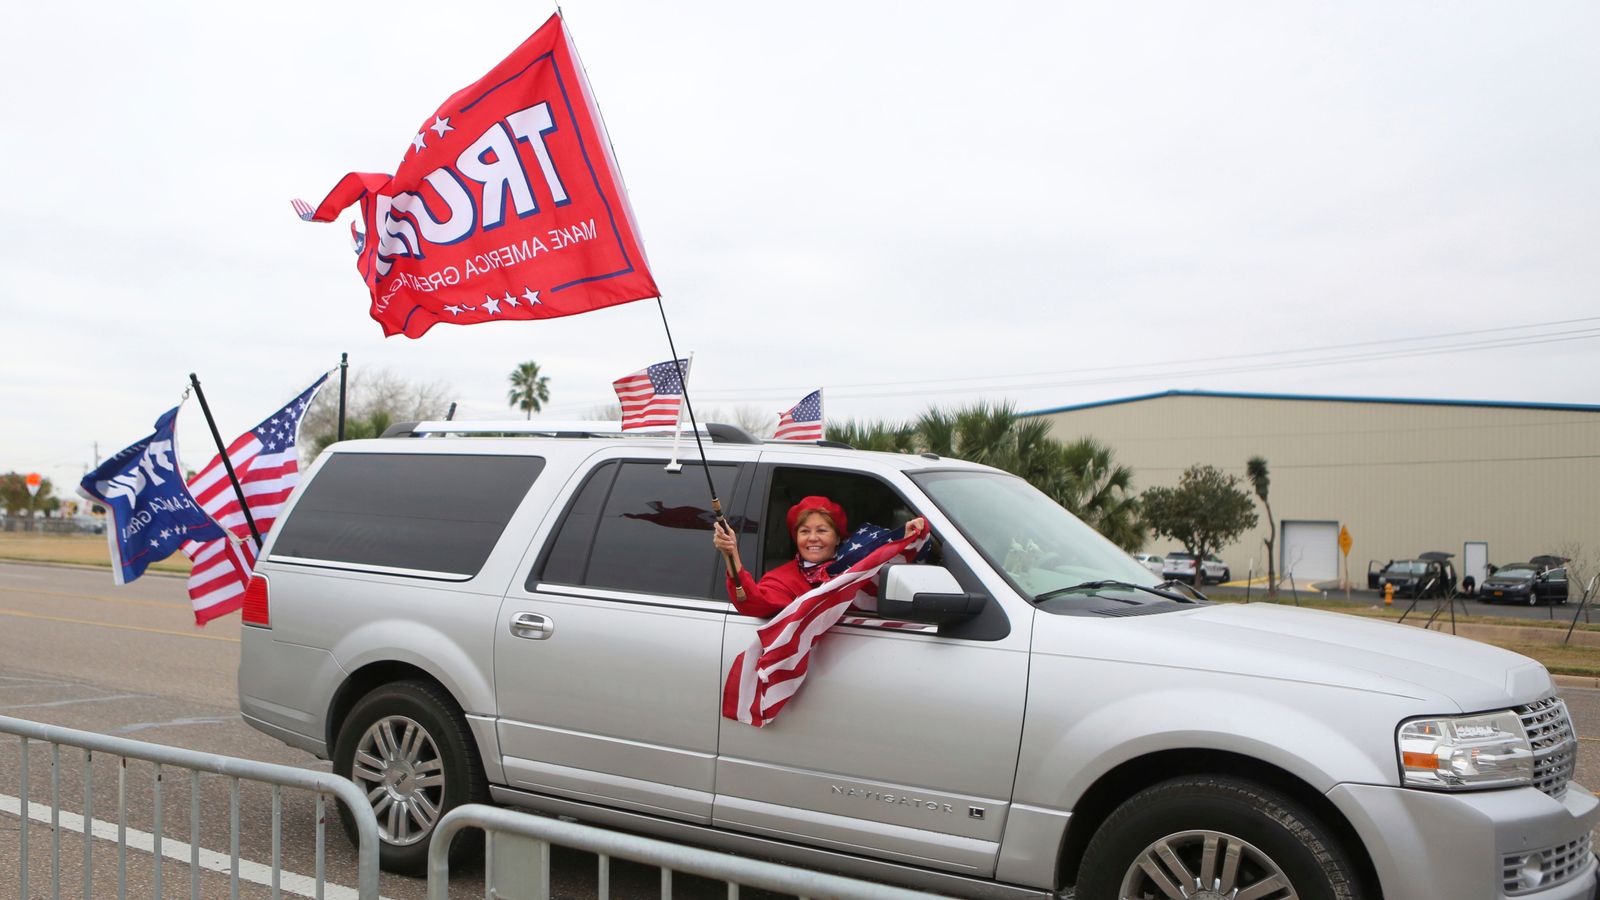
[{"x": 820, "y": 504}]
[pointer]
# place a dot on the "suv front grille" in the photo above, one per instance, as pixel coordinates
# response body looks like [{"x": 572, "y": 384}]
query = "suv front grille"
[
  {"x": 1524, "y": 872},
  {"x": 1554, "y": 748}
]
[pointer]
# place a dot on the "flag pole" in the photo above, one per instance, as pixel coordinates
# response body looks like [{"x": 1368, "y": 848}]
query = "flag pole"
[
  {"x": 344, "y": 366},
  {"x": 222, "y": 453},
  {"x": 716, "y": 505},
  {"x": 677, "y": 427}
]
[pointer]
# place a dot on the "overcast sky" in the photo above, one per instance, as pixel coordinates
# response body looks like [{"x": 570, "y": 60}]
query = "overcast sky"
[{"x": 904, "y": 204}]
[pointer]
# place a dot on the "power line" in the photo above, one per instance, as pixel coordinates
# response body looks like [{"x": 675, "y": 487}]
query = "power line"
[{"x": 926, "y": 388}]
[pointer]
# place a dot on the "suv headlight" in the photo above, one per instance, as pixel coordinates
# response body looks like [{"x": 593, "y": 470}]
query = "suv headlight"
[{"x": 1453, "y": 753}]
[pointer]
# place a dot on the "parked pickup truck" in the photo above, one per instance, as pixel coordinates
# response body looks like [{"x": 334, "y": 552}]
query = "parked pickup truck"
[{"x": 539, "y": 618}]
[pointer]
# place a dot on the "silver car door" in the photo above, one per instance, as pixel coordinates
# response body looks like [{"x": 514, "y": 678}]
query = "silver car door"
[
  {"x": 607, "y": 655},
  {"x": 900, "y": 744}
]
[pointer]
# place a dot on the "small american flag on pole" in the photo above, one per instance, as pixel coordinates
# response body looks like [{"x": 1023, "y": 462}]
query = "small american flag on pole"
[
  {"x": 802, "y": 422},
  {"x": 652, "y": 396},
  {"x": 267, "y": 461}
]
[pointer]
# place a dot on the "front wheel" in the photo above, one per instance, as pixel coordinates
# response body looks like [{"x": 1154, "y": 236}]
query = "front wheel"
[
  {"x": 407, "y": 747},
  {"x": 1227, "y": 575},
  {"x": 1215, "y": 836}
]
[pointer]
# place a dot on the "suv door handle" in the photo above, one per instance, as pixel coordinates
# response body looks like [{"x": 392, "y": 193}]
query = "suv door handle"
[{"x": 532, "y": 626}]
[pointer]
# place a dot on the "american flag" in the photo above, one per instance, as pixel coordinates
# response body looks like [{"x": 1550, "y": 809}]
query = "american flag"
[
  {"x": 267, "y": 462},
  {"x": 652, "y": 396},
  {"x": 303, "y": 209},
  {"x": 803, "y": 422},
  {"x": 769, "y": 672}
]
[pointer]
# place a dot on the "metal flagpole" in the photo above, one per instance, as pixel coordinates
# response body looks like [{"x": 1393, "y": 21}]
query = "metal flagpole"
[
  {"x": 716, "y": 504},
  {"x": 344, "y": 366},
  {"x": 227, "y": 463},
  {"x": 677, "y": 427}
]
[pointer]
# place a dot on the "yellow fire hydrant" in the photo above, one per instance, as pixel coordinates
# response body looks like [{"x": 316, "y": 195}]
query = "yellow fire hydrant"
[{"x": 1388, "y": 594}]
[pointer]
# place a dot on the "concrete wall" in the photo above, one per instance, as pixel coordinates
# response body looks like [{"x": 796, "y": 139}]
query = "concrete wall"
[{"x": 1404, "y": 477}]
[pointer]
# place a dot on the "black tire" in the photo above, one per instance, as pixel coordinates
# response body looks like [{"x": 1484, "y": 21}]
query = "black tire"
[
  {"x": 1226, "y": 576},
  {"x": 413, "y": 805},
  {"x": 1275, "y": 837}
]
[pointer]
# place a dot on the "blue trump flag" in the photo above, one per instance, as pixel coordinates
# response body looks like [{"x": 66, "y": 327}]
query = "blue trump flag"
[{"x": 150, "y": 505}]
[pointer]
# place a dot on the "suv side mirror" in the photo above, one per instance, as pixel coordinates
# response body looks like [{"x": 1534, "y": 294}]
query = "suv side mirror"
[{"x": 928, "y": 594}]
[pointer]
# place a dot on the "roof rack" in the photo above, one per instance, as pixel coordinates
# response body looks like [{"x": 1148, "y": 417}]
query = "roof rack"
[{"x": 717, "y": 431}]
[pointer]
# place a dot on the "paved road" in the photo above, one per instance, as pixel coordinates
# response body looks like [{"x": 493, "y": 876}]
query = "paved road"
[{"x": 78, "y": 652}]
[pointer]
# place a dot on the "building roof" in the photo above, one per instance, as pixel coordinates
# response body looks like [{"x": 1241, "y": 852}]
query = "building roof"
[{"x": 1238, "y": 395}]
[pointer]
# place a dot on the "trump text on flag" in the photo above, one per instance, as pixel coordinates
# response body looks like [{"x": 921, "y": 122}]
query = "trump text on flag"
[{"x": 507, "y": 205}]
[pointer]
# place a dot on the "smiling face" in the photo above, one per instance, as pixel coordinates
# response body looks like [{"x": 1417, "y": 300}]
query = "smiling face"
[{"x": 815, "y": 537}]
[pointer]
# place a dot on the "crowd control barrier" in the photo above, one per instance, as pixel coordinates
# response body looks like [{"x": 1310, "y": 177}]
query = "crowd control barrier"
[
  {"x": 517, "y": 860},
  {"x": 168, "y": 761}
]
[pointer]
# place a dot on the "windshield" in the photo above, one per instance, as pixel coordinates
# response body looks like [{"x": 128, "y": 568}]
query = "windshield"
[
  {"x": 1514, "y": 572},
  {"x": 1039, "y": 546}
]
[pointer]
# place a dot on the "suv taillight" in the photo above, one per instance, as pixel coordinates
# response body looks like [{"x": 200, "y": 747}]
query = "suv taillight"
[{"x": 255, "y": 603}]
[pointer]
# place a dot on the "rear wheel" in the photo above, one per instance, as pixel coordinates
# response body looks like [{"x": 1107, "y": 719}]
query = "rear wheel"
[
  {"x": 407, "y": 747},
  {"x": 1215, "y": 837}
]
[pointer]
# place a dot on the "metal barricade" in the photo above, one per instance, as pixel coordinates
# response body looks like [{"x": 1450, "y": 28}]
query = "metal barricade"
[
  {"x": 530, "y": 837},
  {"x": 195, "y": 763}
]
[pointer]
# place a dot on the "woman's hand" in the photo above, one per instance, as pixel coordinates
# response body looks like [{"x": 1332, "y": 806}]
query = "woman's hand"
[
  {"x": 916, "y": 527},
  {"x": 722, "y": 538}
]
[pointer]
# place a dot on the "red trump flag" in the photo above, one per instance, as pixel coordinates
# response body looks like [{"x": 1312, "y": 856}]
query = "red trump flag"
[{"x": 507, "y": 205}]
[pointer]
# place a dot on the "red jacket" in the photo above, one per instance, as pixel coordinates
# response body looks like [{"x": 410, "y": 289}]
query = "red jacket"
[{"x": 776, "y": 590}]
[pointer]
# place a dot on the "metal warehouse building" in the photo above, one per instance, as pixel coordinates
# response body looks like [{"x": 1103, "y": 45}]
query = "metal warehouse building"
[{"x": 1404, "y": 476}]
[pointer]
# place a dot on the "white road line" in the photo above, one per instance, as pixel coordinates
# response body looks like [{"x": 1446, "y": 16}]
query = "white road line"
[
  {"x": 79, "y": 700},
  {"x": 30, "y": 681},
  {"x": 210, "y": 860},
  {"x": 190, "y": 720}
]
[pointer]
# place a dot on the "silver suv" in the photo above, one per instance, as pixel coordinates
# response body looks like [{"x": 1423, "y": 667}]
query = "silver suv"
[{"x": 541, "y": 620}]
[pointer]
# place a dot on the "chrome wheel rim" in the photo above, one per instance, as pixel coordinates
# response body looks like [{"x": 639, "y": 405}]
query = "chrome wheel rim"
[
  {"x": 398, "y": 765},
  {"x": 1204, "y": 865}
]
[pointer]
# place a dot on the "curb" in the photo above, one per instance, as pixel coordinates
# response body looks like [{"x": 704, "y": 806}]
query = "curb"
[{"x": 1577, "y": 681}]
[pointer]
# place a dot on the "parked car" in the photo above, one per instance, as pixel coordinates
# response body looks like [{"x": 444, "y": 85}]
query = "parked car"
[
  {"x": 1525, "y": 583},
  {"x": 1179, "y": 566},
  {"x": 1429, "y": 575},
  {"x": 1151, "y": 561},
  {"x": 541, "y": 621}
]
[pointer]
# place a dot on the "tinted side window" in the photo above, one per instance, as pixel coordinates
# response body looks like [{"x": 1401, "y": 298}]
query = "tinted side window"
[
  {"x": 569, "y": 552},
  {"x": 652, "y": 534},
  {"x": 436, "y": 513}
]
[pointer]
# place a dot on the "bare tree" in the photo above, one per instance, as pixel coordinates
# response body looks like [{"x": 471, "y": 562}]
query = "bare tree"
[
  {"x": 372, "y": 396},
  {"x": 1582, "y": 564},
  {"x": 753, "y": 419}
]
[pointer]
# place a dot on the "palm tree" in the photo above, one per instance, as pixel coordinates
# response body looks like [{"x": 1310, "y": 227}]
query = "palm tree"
[
  {"x": 1100, "y": 492},
  {"x": 1256, "y": 471},
  {"x": 1080, "y": 476},
  {"x": 869, "y": 435},
  {"x": 372, "y": 425},
  {"x": 529, "y": 390}
]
